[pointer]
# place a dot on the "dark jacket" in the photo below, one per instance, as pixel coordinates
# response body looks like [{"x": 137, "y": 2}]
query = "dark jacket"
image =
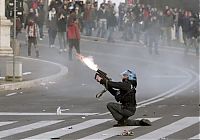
[
  {"x": 154, "y": 29},
  {"x": 124, "y": 92},
  {"x": 52, "y": 21},
  {"x": 102, "y": 14},
  {"x": 193, "y": 30},
  {"x": 61, "y": 23},
  {"x": 111, "y": 19}
]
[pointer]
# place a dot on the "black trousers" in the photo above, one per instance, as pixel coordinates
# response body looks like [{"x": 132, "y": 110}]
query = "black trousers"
[
  {"x": 33, "y": 40},
  {"x": 119, "y": 112},
  {"x": 52, "y": 36},
  {"x": 73, "y": 43}
]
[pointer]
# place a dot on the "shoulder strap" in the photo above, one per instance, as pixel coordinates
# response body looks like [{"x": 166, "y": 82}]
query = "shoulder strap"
[{"x": 129, "y": 91}]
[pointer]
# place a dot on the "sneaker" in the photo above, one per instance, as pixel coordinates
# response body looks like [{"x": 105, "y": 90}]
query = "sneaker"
[
  {"x": 52, "y": 46},
  {"x": 41, "y": 38},
  {"x": 145, "y": 122},
  {"x": 65, "y": 50}
]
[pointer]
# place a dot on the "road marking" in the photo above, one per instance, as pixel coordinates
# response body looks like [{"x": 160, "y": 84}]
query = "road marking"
[
  {"x": 26, "y": 73},
  {"x": 170, "y": 76},
  {"x": 2, "y": 78},
  {"x": 6, "y": 123},
  {"x": 44, "y": 114},
  {"x": 197, "y": 137},
  {"x": 25, "y": 128},
  {"x": 170, "y": 129},
  {"x": 113, "y": 131},
  {"x": 36, "y": 82},
  {"x": 66, "y": 130}
]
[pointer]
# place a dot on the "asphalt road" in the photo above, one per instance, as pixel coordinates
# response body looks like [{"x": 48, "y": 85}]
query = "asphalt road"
[{"x": 167, "y": 94}]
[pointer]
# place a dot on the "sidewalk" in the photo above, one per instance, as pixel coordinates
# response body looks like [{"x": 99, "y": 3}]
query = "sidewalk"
[{"x": 35, "y": 72}]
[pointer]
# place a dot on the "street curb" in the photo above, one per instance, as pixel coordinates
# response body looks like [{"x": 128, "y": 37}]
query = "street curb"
[
  {"x": 130, "y": 43},
  {"x": 35, "y": 82},
  {"x": 94, "y": 38}
]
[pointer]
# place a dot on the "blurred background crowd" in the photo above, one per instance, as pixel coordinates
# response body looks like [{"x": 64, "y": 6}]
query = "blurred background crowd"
[{"x": 138, "y": 22}]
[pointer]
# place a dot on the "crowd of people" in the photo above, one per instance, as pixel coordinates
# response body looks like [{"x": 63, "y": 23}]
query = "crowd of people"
[
  {"x": 137, "y": 22},
  {"x": 160, "y": 25}
]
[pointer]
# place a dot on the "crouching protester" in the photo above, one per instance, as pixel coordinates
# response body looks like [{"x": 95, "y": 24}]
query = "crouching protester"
[{"x": 124, "y": 93}]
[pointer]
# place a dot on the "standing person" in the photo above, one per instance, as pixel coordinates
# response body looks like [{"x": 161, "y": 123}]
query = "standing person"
[
  {"x": 40, "y": 20},
  {"x": 185, "y": 26},
  {"x": 32, "y": 34},
  {"x": 62, "y": 23},
  {"x": 124, "y": 92},
  {"x": 31, "y": 15},
  {"x": 153, "y": 32},
  {"x": 87, "y": 19},
  {"x": 112, "y": 22},
  {"x": 73, "y": 34},
  {"x": 192, "y": 36},
  {"x": 25, "y": 11},
  {"x": 102, "y": 21},
  {"x": 52, "y": 26},
  {"x": 168, "y": 24}
]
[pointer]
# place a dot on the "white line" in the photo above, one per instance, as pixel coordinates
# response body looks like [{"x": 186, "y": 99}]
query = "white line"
[
  {"x": 6, "y": 123},
  {"x": 36, "y": 82},
  {"x": 170, "y": 92},
  {"x": 44, "y": 114},
  {"x": 197, "y": 137},
  {"x": 2, "y": 78},
  {"x": 66, "y": 130},
  {"x": 25, "y": 128},
  {"x": 27, "y": 73},
  {"x": 11, "y": 94},
  {"x": 170, "y": 129},
  {"x": 112, "y": 131},
  {"x": 170, "y": 76}
]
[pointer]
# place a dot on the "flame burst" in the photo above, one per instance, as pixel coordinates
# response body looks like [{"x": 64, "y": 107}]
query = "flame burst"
[{"x": 88, "y": 61}]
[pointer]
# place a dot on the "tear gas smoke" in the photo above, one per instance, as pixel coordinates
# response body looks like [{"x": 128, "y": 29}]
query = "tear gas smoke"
[{"x": 88, "y": 61}]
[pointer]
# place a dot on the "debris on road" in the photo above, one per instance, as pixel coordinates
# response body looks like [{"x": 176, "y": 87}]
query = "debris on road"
[
  {"x": 104, "y": 134},
  {"x": 43, "y": 84},
  {"x": 126, "y": 133},
  {"x": 70, "y": 128},
  {"x": 51, "y": 82},
  {"x": 83, "y": 84},
  {"x": 176, "y": 115},
  {"x": 58, "y": 111}
]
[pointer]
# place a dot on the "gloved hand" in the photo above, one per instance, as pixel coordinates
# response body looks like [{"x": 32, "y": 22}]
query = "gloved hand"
[{"x": 98, "y": 78}]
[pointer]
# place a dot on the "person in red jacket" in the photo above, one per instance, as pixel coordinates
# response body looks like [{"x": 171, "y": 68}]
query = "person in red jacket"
[{"x": 73, "y": 34}]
